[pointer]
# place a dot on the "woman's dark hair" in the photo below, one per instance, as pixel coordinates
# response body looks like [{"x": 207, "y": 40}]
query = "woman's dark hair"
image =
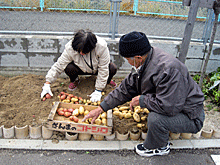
[{"x": 84, "y": 41}]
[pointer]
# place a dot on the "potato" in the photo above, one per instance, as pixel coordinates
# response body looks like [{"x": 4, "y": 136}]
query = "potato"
[
  {"x": 137, "y": 109},
  {"x": 67, "y": 114},
  {"x": 143, "y": 118},
  {"x": 139, "y": 125},
  {"x": 131, "y": 112},
  {"x": 59, "y": 109},
  {"x": 116, "y": 113},
  {"x": 136, "y": 117},
  {"x": 62, "y": 97},
  {"x": 121, "y": 115},
  {"x": 104, "y": 115},
  {"x": 86, "y": 112},
  {"x": 66, "y": 101},
  {"x": 74, "y": 99},
  {"x": 61, "y": 113},
  {"x": 68, "y": 98},
  {"x": 146, "y": 110},
  {"x": 127, "y": 115},
  {"x": 98, "y": 121},
  {"x": 76, "y": 112},
  {"x": 74, "y": 118},
  {"x": 115, "y": 109},
  {"x": 104, "y": 121},
  {"x": 125, "y": 111},
  {"x": 81, "y": 110},
  {"x": 90, "y": 120},
  {"x": 123, "y": 108},
  {"x": 70, "y": 110},
  {"x": 48, "y": 96}
]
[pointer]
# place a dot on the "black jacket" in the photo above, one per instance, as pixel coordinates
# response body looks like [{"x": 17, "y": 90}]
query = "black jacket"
[{"x": 165, "y": 87}]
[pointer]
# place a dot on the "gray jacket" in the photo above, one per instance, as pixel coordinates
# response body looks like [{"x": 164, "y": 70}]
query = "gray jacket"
[{"x": 164, "y": 86}]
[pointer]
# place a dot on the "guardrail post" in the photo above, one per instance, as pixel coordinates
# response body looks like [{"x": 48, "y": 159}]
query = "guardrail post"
[
  {"x": 114, "y": 17},
  {"x": 135, "y": 7},
  {"x": 42, "y": 5},
  {"x": 188, "y": 30},
  {"x": 208, "y": 26}
]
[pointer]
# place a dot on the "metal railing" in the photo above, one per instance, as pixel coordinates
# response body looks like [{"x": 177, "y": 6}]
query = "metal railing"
[{"x": 169, "y": 12}]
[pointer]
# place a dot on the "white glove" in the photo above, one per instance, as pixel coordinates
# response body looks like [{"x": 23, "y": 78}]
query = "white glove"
[
  {"x": 46, "y": 89},
  {"x": 96, "y": 96}
]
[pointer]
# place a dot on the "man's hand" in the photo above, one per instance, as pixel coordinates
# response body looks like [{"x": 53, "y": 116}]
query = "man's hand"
[
  {"x": 96, "y": 96},
  {"x": 46, "y": 89},
  {"x": 94, "y": 114},
  {"x": 134, "y": 102}
]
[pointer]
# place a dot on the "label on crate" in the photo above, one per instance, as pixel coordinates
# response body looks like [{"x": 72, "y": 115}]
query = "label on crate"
[{"x": 79, "y": 128}]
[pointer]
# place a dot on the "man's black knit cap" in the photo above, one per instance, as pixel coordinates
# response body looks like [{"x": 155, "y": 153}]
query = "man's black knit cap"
[{"x": 133, "y": 44}]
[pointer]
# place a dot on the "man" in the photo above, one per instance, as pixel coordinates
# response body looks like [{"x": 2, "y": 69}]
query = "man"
[
  {"x": 85, "y": 54},
  {"x": 162, "y": 84}
]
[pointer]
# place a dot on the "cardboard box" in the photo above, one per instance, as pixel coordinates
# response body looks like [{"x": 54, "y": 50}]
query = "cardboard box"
[{"x": 61, "y": 123}]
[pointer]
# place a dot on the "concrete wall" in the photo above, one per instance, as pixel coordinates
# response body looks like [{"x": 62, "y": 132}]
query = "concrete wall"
[{"x": 22, "y": 54}]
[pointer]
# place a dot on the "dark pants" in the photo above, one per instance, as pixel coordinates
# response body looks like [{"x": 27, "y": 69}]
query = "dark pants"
[
  {"x": 73, "y": 71},
  {"x": 160, "y": 125}
]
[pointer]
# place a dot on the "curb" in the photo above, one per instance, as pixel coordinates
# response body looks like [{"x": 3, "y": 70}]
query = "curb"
[{"x": 99, "y": 145}]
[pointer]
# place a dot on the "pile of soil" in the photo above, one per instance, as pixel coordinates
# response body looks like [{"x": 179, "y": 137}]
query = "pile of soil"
[{"x": 20, "y": 102}]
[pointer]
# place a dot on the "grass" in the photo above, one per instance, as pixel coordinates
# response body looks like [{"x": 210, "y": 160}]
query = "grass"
[{"x": 161, "y": 9}]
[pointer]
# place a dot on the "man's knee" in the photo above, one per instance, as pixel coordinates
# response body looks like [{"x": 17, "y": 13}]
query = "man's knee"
[{"x": 154, "y": 120}]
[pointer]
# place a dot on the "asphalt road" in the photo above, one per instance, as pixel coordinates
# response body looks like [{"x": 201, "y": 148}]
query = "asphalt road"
[
  {"x": 123, "y": 157},
  {"x": 98, "y": 23}
]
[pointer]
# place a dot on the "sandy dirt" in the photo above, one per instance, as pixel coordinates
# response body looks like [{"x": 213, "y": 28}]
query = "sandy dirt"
[{"x": 20, "y": 102}]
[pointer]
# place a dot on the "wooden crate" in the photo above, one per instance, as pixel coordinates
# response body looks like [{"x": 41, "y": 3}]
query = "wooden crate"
[{"x": 61, "y": 123}]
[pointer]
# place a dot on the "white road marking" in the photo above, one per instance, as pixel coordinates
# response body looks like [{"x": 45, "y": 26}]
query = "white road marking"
[{"x": 216, "y": 159}]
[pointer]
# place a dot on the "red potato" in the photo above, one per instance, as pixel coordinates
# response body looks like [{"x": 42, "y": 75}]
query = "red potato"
[
  {"x": 71, "y": 118},
  {"x": 48, "y": 96},
  {"x": 67, "y": 114},
  {"x": 62, "y": 93},
  {"x": 70, "y": 110},
  {"x": 64, "y": 109},
  {"x": 44, "y": 98},
  {"x": 68, "y": 98},
  {"x": 71, "y": 95},
  {"x": 59, "y": 109},
  {"x": 61, "y": 113},
  {"x": 80, "y": 98},
  {"x": 74, "y": 118},
  {"x": 63, "y": 97}
]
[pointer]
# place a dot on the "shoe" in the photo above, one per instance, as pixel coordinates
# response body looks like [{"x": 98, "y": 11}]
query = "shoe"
[
  {"x": 113, "y": 84},
  {"x": 142, "y": 151},
  {"x": 73, "y": 85}
]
